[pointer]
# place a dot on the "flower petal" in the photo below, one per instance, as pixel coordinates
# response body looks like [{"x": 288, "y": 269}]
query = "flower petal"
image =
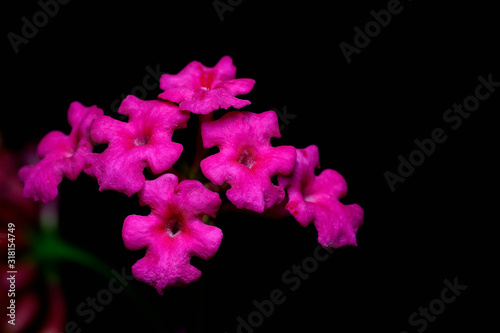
[
  {"x": 315, "y": 199},
  {"x": 200, "y": 89},
  {"x": 143, "y": 141},
  {"x": 173, "y": 232},
  {"x": 61, "y": 155},
  {"x": 246, "y": 160}
]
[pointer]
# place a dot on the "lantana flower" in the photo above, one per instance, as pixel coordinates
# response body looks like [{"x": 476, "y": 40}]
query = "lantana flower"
[
  {"x": 61, "y": 155},
  {"x": 202, "y": 89},
  {"x": 243, "y": 169},
  {"x": 173, "y": 232},
  {"x": 316, "y": 199},
  {"x": 144, "y": 141},
  {"x": 246, "y": 160}
]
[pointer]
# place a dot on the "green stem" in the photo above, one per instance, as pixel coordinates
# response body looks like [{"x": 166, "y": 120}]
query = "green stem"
[{"x": 49, "y": 249}]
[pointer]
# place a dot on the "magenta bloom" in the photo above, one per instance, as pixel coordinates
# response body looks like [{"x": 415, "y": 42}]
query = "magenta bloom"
[
  {"x": 173, "y": 232},
  {"x": 143, "y": 141},
  {"x": 316, "y": 198},
  {"x": 246, "y": 160},
  {"x": 61, "y": 155},
  {"x": 201, "y": 89}
]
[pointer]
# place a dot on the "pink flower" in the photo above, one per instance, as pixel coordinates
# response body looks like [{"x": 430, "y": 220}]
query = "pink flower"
[
  {"x": 61, "y": 155},
  {"x": 144, "y": 141},
  {"x": 173, "y": 232},
  {"x": 316, "y": 198},
  {"x": 201, "y": 89},
  {"x": 246, "y": 160}
]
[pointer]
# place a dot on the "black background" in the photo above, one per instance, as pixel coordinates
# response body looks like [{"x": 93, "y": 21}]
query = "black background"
[{"x": 436, "y": 225}]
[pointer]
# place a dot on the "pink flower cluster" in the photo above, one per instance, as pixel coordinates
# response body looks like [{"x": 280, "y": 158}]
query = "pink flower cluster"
[{"x": 175, "y": 230}]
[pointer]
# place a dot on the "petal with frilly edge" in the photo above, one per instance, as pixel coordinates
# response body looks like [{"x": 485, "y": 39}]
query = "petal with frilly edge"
[
  {"x": 315, "y": 199},
  {"x": 173, "y": 232},
  {"x": 200, "y": 89},
  {"x": 144, "y": 141},
  {"x": 246, "y": 160},
  {"x": 61, "y": 155}
]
